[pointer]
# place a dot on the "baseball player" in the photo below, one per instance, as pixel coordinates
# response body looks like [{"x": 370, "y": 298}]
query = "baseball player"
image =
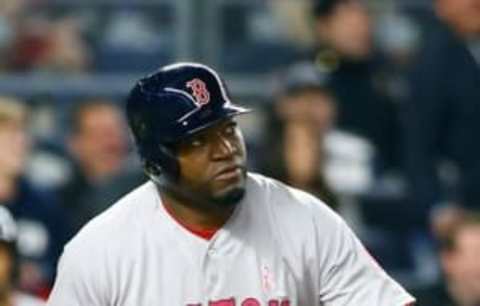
[
  {"x": 9, "y": 296},
  {"x": 204, "y": 231}
]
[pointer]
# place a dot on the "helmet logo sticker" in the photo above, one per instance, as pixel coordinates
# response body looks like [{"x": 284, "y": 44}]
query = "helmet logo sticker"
[{"x": 199, "y": 91}]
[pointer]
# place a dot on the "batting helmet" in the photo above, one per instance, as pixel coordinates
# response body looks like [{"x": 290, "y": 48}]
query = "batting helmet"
[{"x": 172, "y": 104}]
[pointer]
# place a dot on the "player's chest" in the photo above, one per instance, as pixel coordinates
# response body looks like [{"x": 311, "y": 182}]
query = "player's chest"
[{"x": 227, "y": 273}]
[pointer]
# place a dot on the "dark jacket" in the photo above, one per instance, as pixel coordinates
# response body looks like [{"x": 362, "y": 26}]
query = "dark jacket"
[
  {"x": 41, "y": 225},
  {"x": 83, "y": 200},
  {"x": 363, "y": 109},
  {"x": 442, "y": 119},
  {"x": 435, "y": 295}
]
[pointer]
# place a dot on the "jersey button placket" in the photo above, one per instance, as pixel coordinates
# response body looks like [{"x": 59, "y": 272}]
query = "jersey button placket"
[{"x": 211, "y": 273}]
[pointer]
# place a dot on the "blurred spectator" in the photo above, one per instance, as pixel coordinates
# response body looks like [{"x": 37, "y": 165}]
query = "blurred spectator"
[
  {"x": 45, "y": 45},
  {"x": 48, "y": 165},
  {"x": 293, "y": 21},
  {"x": 374, "y": 194},
  {"x": 344, "y": 31},
  {"x": 9, "y": 294},
  {"x": 9, "y": 16},
  {"x": 98, "y": 139},
  {"x": 68, "y": 51},
  {"x": 134, "y": 40},
  {"x": 30, "y": 44},
  {"x": 99, "y": 148},
  {"x": 397, "y": 35},
  {"x": 42, "y": 232},
  {"x": 301, "y": 117},
  {"x": 441, "y": 119},
  {"x": 459, "y": 249}
]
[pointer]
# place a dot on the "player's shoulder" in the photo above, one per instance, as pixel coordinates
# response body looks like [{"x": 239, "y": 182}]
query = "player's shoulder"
[
  {"x": 297, "y": 220},
  {"x": 123, "y": 218},
  {"x": 282, "y": 195},
  {"x": 286, "y": 201}
]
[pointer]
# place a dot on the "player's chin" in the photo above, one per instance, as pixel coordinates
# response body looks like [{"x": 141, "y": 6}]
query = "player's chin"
[
  {"x": 230, "y": 198},
  {"x": 230, "y": 194}
]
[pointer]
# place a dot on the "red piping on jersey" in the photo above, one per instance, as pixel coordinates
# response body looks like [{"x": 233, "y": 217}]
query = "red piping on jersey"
[{"x": 206, "y": 234}]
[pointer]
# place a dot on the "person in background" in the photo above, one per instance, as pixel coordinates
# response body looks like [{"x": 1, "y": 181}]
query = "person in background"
[
  {"x": 344, "y": 32},
  {"x": 41, "y": 227},
  {"x": 459, "y": 249},
  {"x": 9, "y": 293},
  {"x": 302, "y": 115},
  {"x": 9, "y": 21},
  {"x": 97, "y": 142},
  {"x": 45, "y": 45},
  {"x": 368, "y": 109},
  {"x": 441, "y": 114}
]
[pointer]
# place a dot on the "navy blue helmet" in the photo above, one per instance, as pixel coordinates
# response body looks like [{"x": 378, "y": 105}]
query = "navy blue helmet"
[{"x": 172, "y": 104}]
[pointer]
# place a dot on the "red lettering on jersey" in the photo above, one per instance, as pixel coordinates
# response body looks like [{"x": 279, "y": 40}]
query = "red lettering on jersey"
[
  {"x": 246, "y": 302},
  {"x": 199, "y": 91},
  {"x": 251, "y": 302},
  {"x": 227, "y": 302},
  {"x": 277, "y": 303}
]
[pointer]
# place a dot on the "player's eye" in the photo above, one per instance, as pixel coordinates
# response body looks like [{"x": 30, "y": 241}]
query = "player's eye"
[{"x": 197, "y": 142}]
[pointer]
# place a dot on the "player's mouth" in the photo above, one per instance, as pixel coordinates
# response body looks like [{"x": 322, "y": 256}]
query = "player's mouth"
[{"x": 229, "y": 173}]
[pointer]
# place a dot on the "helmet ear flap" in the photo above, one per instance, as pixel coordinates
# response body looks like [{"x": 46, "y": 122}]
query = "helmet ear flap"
[{"x": 162, "y": 165}]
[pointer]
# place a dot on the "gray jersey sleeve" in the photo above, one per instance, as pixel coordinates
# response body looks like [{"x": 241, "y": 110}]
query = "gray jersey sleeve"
[{"x": 352, "y": 277}]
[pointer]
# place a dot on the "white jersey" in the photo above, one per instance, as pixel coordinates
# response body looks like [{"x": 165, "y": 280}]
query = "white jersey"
[{"x": 281, "y": 247}]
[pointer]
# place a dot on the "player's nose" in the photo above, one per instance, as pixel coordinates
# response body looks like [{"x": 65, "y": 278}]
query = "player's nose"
[{"x": 223, "y": 148}]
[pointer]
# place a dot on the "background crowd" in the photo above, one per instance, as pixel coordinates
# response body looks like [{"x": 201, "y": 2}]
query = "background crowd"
[{"x": 373, "y": 106}]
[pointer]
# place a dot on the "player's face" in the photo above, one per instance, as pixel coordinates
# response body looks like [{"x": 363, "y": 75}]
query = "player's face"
[{"x": 213, "y": 163}]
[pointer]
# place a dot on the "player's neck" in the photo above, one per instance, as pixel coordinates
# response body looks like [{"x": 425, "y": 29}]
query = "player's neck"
[{"x": 200, "y": 216}]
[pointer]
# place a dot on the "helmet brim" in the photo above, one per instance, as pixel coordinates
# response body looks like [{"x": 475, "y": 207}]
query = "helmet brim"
[{"x": 228, "y": 111}]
